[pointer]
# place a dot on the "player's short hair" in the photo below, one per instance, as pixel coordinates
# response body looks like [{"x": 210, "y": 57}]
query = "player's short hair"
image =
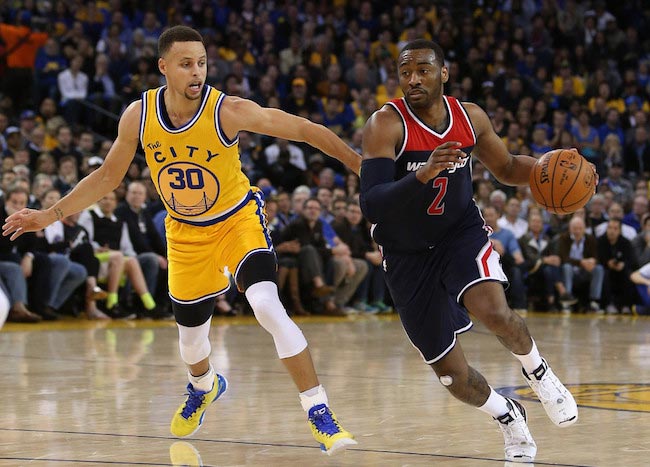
[
  {"x": 426, "y": 44},
  {"x": 177, "y": 34}
]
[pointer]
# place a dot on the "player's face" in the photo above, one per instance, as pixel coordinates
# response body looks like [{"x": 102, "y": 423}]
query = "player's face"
[
  {"x": 185, "y": 67},
  {"x": 421, "y": 77}
]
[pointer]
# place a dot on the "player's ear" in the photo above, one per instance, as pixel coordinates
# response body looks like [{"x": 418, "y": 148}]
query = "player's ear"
[
  {"x": 444, "y": 74},
  {"x": 162, "y": 65}
]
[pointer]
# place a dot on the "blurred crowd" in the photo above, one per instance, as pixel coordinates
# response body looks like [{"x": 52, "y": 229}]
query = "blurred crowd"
[{"x": 549, "y": 73}]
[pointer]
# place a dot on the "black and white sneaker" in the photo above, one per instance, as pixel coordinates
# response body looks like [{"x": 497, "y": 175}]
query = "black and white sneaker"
[
  {"x": 559, "y": 404},
  {"x": 519, "y": 443}
]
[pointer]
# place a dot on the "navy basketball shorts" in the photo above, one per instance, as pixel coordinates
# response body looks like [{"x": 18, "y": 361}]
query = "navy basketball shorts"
[{"x": 427, "y": 288}]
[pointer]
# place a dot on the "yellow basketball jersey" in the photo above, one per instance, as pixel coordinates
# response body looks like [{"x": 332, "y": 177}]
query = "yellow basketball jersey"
[{"x": 195, "y": 168}]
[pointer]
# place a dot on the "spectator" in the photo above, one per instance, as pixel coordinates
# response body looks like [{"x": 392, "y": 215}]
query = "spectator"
[
  {"x": 542, "y": 264},
  {"x": 596, "y": 214},
  {"x": 641, "y": 243},
  {"x": 512, "y": 260},
  {"x": 354, "y": 232},
  {"x": 639, "y": 210},
  {"x": 35, "y": 266},
  {"x": 636, "y": 155},
  {"x": 314, "y": 255},
  {"x": 67, "y": 236},
  {"x": 616, "y": 256},
  {"x": 73, "y": 88},
  {"x": 578, "y": 253},
  {"x": 641, "y": 278},
  {"x": 511, "y": 219},
  {"x": 300, "y": 101},
  {"x": 615, "y": 211},
  {"x": 110, "y": 239},
  {"x": 49, "y": 63},
  {"x": 21, "y": 45},
  {"x": 148, "y": 246}
]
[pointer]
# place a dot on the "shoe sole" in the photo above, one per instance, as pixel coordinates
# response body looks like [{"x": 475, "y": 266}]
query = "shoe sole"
[
  {"x": 219, "y": 394},
  {"x": 566, "y": 423},
  {"x": 338, "y": 446}
]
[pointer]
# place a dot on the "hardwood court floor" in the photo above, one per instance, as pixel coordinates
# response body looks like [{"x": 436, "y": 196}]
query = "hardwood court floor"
[{"x": 83, "y": 393}]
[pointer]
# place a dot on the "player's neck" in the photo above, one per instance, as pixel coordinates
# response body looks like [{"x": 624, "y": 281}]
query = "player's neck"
[
  {"x": 179, "y": 108},
  {"x": 436, "y": 116}
]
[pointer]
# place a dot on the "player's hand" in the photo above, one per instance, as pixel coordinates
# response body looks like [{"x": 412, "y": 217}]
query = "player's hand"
[
  {"x": 25, "y": 220},
  {"x": 593, "y": 167},
  {"x": 443, "y": 157}
]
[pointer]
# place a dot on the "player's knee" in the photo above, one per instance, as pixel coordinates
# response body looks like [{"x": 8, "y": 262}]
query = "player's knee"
[
  {"x": 194, "y": 343},
  {"x": 194, "y": 352},
  {"x": 268, "y": 310}
]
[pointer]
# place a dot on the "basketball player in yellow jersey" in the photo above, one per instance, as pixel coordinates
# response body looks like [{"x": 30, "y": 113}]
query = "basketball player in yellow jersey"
[{"x": 189, "y": 133}]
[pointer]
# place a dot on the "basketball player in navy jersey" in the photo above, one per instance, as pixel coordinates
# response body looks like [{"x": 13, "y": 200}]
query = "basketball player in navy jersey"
[{"x": 439, "y": 263}]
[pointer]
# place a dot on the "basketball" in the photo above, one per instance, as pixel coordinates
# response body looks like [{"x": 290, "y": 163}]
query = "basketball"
[{"x": 562, "y": 181}]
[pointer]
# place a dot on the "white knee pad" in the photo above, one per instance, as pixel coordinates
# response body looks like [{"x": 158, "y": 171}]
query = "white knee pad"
[
  {"x": 270, "y": 313},
  {"x": 194, "y": 342}
]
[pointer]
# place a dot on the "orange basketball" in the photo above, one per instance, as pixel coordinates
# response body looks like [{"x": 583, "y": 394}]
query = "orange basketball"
[{"x": 562, "y": 181}]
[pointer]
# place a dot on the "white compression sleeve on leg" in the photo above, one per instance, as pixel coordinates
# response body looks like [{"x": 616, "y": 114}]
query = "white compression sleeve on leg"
[
  {"x": 194, "y": 343},
  {"x": 270, "y": 313}
]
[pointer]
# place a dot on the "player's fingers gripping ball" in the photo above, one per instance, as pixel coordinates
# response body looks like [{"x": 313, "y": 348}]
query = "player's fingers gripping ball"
[{"x": 562, "y": 181}]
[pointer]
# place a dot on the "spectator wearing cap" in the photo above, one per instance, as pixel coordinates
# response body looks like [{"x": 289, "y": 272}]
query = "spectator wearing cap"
[
  {"x": 564, "y": 75},
  {"x": 300, "y": 101},
  {"x": 14, "y": 141},
  {"x": 27, "y": 124}
]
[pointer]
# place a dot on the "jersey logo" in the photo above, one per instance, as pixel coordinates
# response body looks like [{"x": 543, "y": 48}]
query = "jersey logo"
[{"x": 188, "y": 189}]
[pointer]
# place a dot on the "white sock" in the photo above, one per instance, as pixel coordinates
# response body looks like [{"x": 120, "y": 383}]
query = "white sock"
[
  {"x": 203, "y": 382},
  {"x": 532, "y": 360},
  {"x": 312, "y": 397},
  {"x": 495, "y": 405}
]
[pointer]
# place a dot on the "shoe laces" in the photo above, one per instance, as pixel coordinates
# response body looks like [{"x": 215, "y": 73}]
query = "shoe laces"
[
  {"x": 546, "y": 385},
  {"x": 514, "y": 428},
  {"x": 194, "y": 401},
  {"x": 321, "y": 416}
]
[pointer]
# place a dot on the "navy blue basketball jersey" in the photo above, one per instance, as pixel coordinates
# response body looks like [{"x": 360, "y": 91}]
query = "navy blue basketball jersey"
[{"x": 445, "y": 204}]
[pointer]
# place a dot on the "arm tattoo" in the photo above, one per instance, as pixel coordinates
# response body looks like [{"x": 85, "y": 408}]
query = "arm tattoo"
[{"x": 59, "y": 213}]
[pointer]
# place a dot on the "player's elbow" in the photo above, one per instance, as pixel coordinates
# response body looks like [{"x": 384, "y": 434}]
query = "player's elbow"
[{"x": 368, "y": 208}]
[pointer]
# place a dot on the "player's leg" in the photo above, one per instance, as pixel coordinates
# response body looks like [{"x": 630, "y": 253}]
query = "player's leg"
[
  {"x": 469, "y": 386},
  {"x": 194, "y": 282},
  {"x": 486, "y": 300},
  {"x": 432, "y": 320},
  {"x": 205, "y": 385},
  {"x": 256, "y": 276}
]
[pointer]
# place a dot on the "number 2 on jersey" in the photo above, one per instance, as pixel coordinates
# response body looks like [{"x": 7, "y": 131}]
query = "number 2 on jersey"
[{"x": 437, "y": 207}]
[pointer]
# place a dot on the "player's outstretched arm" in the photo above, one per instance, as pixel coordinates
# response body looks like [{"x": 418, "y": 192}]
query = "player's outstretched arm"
[
  {"x": 492, "y": 152},
  {"x": 242, "y": 114},
  {"x": 91, "y": 188}
]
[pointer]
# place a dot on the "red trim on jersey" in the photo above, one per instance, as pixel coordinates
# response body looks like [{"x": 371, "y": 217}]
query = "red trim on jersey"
[
  {"x": 420, "y": 137},
  {"x": 484, "y": 261}
]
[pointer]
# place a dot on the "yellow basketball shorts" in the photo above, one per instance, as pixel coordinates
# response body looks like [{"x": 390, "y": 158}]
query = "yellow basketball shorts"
[{"x": 199, "y": 255}]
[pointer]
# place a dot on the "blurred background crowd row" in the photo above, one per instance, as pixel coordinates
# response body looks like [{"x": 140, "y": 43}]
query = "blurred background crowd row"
[{"x": 549, "y": 73}]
